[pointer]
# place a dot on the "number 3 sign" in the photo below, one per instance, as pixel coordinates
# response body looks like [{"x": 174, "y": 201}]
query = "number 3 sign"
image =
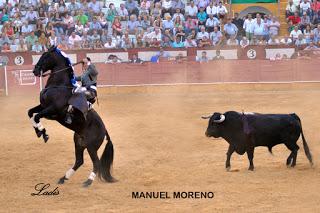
[
  {"x": 19, "y": 60},
  {"x": 252, "y": 54}
]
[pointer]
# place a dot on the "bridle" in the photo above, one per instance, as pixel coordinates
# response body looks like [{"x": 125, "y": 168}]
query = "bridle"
[{"x": 60, "y": 70}]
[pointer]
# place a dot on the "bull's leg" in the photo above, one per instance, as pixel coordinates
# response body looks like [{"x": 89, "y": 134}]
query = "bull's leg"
[
  {"x": 292, "y": 159},
  {"x": 79, "y": 161},
  {"x": 250, "y": 152},
  {"x": 43, "y": 113},
  {"x": 96, "y": 166},
  {"x": 31, "y": 112},
  {"x": 295, "y": 153},
  {"x": 229, "y": 153}
]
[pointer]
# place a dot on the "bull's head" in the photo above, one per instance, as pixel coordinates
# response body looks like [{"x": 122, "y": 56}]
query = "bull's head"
[{"x": 215, "y": 124}]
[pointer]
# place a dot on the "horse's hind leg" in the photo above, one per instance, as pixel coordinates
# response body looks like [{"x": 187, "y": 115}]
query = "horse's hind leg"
[
  {"x": 96, "y": 165},
  {"x": 31, "y": 112},
  {"x": 79, "y": 160}
]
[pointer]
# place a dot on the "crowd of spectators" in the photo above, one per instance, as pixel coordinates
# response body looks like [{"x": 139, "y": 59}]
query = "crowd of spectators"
[
  {"x": 35, "y": 25},
  {"x": 303, "y": 19}
]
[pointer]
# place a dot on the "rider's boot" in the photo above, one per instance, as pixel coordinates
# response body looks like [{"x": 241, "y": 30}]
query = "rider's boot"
[{"x": 68, "y": 118}]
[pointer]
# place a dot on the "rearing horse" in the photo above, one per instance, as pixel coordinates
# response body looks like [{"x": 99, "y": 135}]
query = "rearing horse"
[{"x": 89, "y": 132}]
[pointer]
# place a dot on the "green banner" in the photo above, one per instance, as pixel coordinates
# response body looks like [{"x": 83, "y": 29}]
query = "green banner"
[{"x": 252, "y": 1}]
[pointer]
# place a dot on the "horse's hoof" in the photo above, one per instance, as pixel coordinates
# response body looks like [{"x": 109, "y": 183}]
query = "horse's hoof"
[
  {"x": 228, "y": 168},
  {"x": 61, "y": 180},
  {"x": 45, "y": 138},
  {"x": 87, "y": 183},
  {"x": 251, "y": 169},
  {"x": 39, "y": 133}
]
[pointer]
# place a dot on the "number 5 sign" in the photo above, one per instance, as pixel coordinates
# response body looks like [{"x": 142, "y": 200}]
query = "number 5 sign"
[{"x": 19, "y": 60}]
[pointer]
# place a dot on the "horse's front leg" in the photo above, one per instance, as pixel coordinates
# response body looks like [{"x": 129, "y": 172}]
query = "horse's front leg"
[
  {"x": 31, "y": 113},
  {"x": 46, "y": 112}
]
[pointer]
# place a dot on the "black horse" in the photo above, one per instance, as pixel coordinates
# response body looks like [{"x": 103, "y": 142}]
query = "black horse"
[{"x": 89, "y": 131}]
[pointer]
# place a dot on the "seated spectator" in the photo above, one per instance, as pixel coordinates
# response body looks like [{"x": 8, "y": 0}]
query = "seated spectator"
[
  {"x": 155, "y": 42},
  {"x": 202, "y": 33},
  {"x": 53, "y": 39},
  {"x": 180, "y": 33},
  {"x": 95, "y": 37},
  {"x": 8, "y": 30},
  {"x": 58, "y": 24},
  {"x": 132, "y": 25},
  {"x": 295, "y": 33},
  {"x": 166, "y": 42},
  {"x": 74, "y": 41},
  {"x": 31, "y": 16},
  {"x": 94, "y": 7},
  {"x": 290, "y": 9},
  {"x": 216, "y": 36},
  {"x": 26, "y": 28},
  {"x": 177, "y": 43},
  {"x": 218, "y": 55},
  {"x": 230, "y": 29},
  {"x": 139, "y": 43},
  {"x": 126, "y": 43},
  {"x": 239, "y": 22},
  {"x": 37, "y": 47},
  {"x": 286, "y": 40},
  {"x": 273, "y": 41},
  {"x": 112, "y": 13},
  {"x": 274, "y": 26},
  {"x": 305, "y": 7},
  {"x": 43, "y": 17},
  {"x": 73, "y": 6},
  {"x": 63, "y": 42},
  {"x": 69, "y": 24},
  {"x": 191, "y": 24},
  {"x": 116, "y": 26},
  {"x": 123, "y": 13},
  {"x": 311, "y": 46},
  {"x": 39, "y": 29},
  {"x": 43, "y": 41},
  {"x": 258, "y": 28},
  {"x": 62, "y": 8},
  {"x": 166, "y": 7},
  {"x": 300, "y": 41},
  {"x": 295, "y": 18},
  {"x": 221, "y": 10},
  {"x": 316, "y": 33},
  {"x": 144, "y": 7},
  {"x": 177, "y": 23},
  {"x": 192, "y": 10},
  {"x": 156, "y": 11},
  {"x": 244, "y": 42},
  {"x": 113, "y": 59},
  {"x": 4, "y": 16},
  {"x": 167, "y": 34},
  {"x": 110, "y": 44},
  {"x": 31, "y": 40},
  {"x": 205, "y": 42},
  {"x": 305, "y": 20},
  {"x": 95, "y": 25},
  {"x": 310, "y": 38},
  {"x": 157, "y": 22},
  {"x": 82, "y": 18},
  {"x": 178, "y": 5},
  {"x": 201, "y": 3},
  {"x": 212, "y": 9},
  {"x": 189, "y": 42},
  {"x": 178, "y": 14},
  {"x": 132, "y": 7},
  {"x": 143, "y": 23},
  {"x": 17, "y": 23},
  {"x": 232, "y": 41},
  {"x": 168, "y": 23},
  {"x": 211, "y": 23},
  {"x": 102, "y": 20},
  {"x": 5, "y": 48},
  {"x": 202, "y": 16},
  {"x": 203, "y": 58},
  {"x": 21, "y": 45},
  {"x": 307, "y": 32},
  {"x": 135, "y": 59}
]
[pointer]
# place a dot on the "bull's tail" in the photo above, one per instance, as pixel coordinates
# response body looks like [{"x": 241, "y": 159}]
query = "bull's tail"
[
  {"x": 106, "y": 161},
  {"x": 305, "y": 145}
]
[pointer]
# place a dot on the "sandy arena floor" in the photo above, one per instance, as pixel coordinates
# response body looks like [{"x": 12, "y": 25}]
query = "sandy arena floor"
[{"x": 160, "y": 146}]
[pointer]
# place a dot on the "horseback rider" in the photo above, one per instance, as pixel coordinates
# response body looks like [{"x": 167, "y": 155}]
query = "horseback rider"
[{"x": 88, "y": 85}]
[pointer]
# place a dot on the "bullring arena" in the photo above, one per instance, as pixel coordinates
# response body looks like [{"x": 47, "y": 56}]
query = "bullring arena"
[{"x": 159, "y": 140}]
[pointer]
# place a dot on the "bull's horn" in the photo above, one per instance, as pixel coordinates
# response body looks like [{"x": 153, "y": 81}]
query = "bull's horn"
[
  {"x": 222, "y": 118},
  {"x": 206, "y": 116}
]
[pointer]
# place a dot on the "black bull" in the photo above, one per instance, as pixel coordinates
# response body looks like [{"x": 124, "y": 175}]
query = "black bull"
[{"x": 245, "y": 131}]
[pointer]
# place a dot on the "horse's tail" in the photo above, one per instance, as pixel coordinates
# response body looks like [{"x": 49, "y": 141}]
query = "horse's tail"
[{"x": 106, "y": 161}]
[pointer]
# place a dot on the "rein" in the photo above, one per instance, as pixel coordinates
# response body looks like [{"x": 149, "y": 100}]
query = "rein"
[{"x": 51, "y": 73}]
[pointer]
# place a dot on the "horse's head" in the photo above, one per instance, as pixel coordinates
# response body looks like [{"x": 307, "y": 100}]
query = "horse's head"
[{"x": 46, "y": 62}]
